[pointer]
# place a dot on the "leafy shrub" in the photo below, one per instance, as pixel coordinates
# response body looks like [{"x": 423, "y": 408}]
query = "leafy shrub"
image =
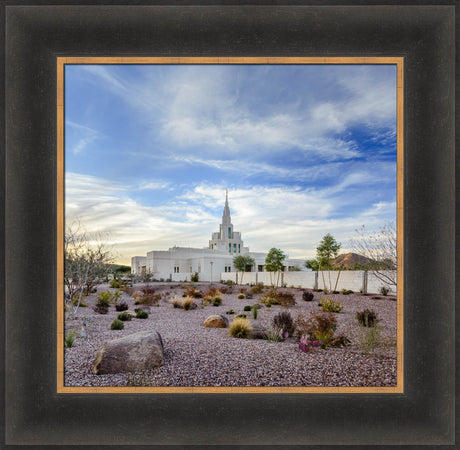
[
  {"x": 316, "y": 327},
  {"x": 176, "y": 303},
  {"x": 121, "y": 306},
  {"x": 241, "y": 296},
  {"x": 247, "y": 308},
  {"x": 284, "y": 299},
  {"x": 104, "y": 298},
  {"x": 116, "y": 296},
  {"x": 141, "y": 314},
  {"x": 69, "y": 339},
  {"x": 329, "y": 305},
  {"x": 148, "y": 290},
  {"x": 240, "y": 328},
  {"x": 124, "y": 317},
  {"x": 367, "y": 318},
  {"x": 257, "y": 289},
  {"x": 283, "y": 321},
  {"x": 230, "y": 311},
  {"x": 384, "y": 290},
  {"x": 194, "y": 278},
  {"x": 307, "y": 296},
  {"x": 115, "y": 284},
  {"x": 224, "y": 289},
  {"x": 241, "y": 316},
  {"x": 335, "y": 292},
  {"x": 101, "y": 308},
  {"x": 117, "y": 325},
  {"x": 217, "y": 301},
  {"x": 347, "y": 291}
]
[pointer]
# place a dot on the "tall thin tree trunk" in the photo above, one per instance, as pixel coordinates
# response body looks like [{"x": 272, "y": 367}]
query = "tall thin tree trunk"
[{"x": 337, "y": 280}]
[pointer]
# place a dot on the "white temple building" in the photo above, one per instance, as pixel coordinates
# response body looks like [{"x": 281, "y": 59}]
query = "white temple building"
[{"x": 211, "y": 263}]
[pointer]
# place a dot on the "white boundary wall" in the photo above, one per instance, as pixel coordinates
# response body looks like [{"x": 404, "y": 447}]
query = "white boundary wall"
[{"x": 354, "y": 280}]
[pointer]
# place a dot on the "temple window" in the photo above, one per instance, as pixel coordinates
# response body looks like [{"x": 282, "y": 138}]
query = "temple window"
[
  {"x": 229, "y": 232},
  {"x": 234, "y": 248},
  {"x": 230, "y": 248}
]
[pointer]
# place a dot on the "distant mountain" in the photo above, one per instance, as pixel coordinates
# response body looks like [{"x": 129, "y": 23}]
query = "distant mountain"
[{"x": 351, "y": 261}]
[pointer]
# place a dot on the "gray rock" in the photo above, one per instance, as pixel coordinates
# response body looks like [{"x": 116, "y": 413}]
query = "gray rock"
[
  {"x": 259, "y": 332},
  {"x": 133, "y": 353}
]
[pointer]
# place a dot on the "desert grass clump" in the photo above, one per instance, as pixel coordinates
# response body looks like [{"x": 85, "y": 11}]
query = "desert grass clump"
[
  {"x": 121, "y": 306},
  {"x": 347, "y": 291},
  {"x": 329, "y": 305},
  {"x": 307, "y": 296},
  {"x": 193, "y": 292},
  {"x": 247, "y": 308},
  {"x": 176, "y": 302},
  {"x": 367, "y": 318},
  {"x": 117, "y": 325},
  {"x": 240, "y": 328},
  {"x": 241, "y": 296},
  {"x": 241, "y": 316},
  {"x": 283, "y": 321},
  {"x": 368, "y": 338},
  {"x": 69, "y": 339},
  {"x": 124, "y": 317},
  {"x": 188, "y": 304},
  {"x": 212, "y": 295},
  {"x": 148, "y": 299},
  {"x": 316, "y": 327}
]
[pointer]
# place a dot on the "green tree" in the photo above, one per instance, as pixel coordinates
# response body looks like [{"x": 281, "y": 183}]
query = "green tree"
[
  {"x": 243, "y": 264},
  {"x": 326, "y": 251},
  {"x": 312, "y": 264},
  {"x": 274, "y": 263}
]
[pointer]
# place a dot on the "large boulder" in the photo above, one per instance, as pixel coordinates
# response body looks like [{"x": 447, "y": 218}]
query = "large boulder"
[
  {"x": 216, "y": 321},
  {"x": 133, "y": 353}
]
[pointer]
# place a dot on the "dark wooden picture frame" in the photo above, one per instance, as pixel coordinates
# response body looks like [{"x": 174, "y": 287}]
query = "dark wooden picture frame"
[{"x": 36, "y": 414}]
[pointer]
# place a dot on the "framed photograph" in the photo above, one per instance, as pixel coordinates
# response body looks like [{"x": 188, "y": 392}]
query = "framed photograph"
[
  {"x": 147, "y": 159},
  {"x": 286, "y": 133}
]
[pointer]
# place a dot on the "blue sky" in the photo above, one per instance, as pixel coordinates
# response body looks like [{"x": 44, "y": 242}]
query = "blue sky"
[{"x": 304, "y": 150}]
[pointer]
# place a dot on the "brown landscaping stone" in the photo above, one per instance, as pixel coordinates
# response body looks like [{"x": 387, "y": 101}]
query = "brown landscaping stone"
[
  {"x": 216, "y": 321},
  {"x": 133, "y": 353}
]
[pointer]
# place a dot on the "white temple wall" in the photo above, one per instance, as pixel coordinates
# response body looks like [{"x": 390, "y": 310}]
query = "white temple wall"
[{"x": 349, "y": 279}]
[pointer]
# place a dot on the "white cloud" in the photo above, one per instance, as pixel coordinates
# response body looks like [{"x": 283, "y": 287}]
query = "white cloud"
[
  {"x": 289, "y": 218},
  {"x": 203, "y": 109}
]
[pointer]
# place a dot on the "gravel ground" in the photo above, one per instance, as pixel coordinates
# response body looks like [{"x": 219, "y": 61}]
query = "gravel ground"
[{"x": 200, "y": 356}]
